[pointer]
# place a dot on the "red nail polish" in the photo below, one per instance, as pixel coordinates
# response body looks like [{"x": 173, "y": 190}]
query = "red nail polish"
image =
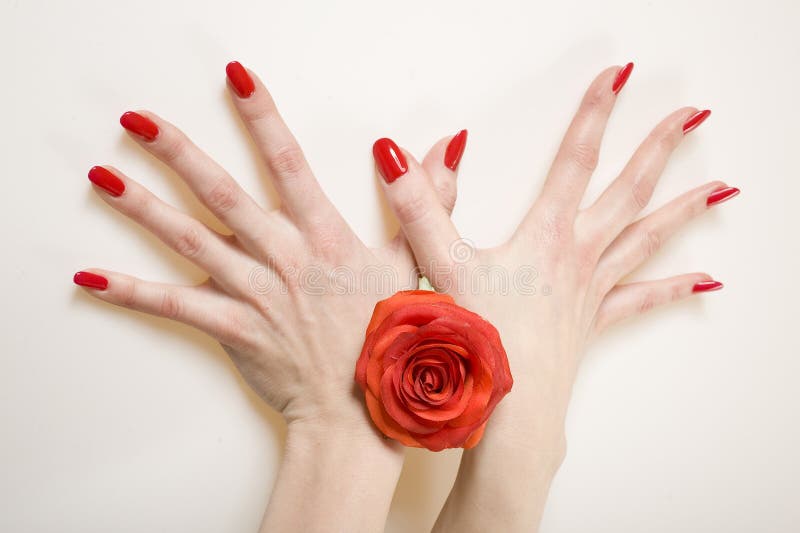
[
  {"x": 622, "y": 76},
  {"x": 93, "y": 281},
  {"x": 455, "y": 149},
  {"x": 720, "y": 195},
  {"x": 695, "y": 120},
  {"x": 390, "y": 160},
  {"x": 106, "y": 180},
  {"x": 706, "y": 286},
  {"x": 140, "y": 125},
  {"x": 240, "y": 79}
]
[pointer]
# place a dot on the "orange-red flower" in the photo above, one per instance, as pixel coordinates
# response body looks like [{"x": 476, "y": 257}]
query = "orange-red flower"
[{"x": 432, "y": 371}]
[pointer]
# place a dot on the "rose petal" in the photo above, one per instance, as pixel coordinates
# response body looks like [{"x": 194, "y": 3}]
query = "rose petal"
[
  {"x": 376, "y": 366},
  {"x": 399, "y": 412},
  {"x": 403, "y": 299},
  {"x": 385, "y": 423},
  {"x": 475, "y": 437},
  {"x": 425, "y": 414}
]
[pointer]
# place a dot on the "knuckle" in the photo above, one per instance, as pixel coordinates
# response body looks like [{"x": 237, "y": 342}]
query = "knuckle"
[
  {"x": 137, "y": 206},
  {"x": 676, "y": 293},
  {"x": 555, "y": 228},
  {"x": 223, "y": 196},
  {"x": 327, "y": 240},
  {"x": 595, "y": 97},
  {"x": 230, "y": 329},
  {"x": 128, "y": 294},
  {"x": 640, "y": 194},
  {"x": 446, "y": 193},
  {"x": 411, "y": 209},
  {"x": 171, "y": 305},
  {"x": 287, "y": 161},
  {"x": 666, "y": 138},
  {"x": 260, "y": 113},
  {"x": 647, "y": 302},
  {"x": 585, "y": 156},
  {"x": 189, "y": 243},
  {"x": 173, "y": 149},
  {"x": 651, "y": 242}
]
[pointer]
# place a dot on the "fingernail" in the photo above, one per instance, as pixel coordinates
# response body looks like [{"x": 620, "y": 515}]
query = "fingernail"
[
  {"x": 390, "y": 160},
  {"x": 455, "y": 149},
  {"x": 140, "y": 125},
  {"x": 106, "y": 180},
  {"x": 240, "y": 79},
  {"x": 695, "y": 120},
  {"x": 707, "y": 286},
  {"x": 93, "y": 281},
  {"x": 622, "y": 76},
  {"x": 720, "y": 195}
]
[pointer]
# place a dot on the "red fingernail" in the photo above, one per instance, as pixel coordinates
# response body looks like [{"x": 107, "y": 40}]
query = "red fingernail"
[
  {"x": 240, "y": 79},
  {"x": 695, "y": 120},
  {"x": 140, "y": 125},
  {"x": 106, "y": 180},
  {"x": 720, "y": 195},
  {"x": 622, "y": 76},
  {"x": 93, "y": 281},
  {"x": 391, "y": 161},
  {"x": 455, "y": 149},
  {"x": 706, "y": 286}
]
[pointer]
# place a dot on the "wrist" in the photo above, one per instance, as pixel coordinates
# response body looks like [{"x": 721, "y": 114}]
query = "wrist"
[
  {"x": 340, "y": 432},
  {"x": 337, "y": 474},
  {"x": 344, "y": 422}
]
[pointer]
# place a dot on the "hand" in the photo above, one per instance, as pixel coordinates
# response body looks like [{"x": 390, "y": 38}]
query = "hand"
[
  {"x": 581, "y": 255},
  {"x": 271, "y": 298}
]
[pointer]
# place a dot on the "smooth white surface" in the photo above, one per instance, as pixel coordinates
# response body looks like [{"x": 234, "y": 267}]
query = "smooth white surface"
[{"x": 111, "y": 421}]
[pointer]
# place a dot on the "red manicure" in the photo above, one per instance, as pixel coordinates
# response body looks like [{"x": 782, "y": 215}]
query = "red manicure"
[
  {"x": 107, "y": 181},
  {"x": 695, "y": 120},
  {"x": 455, "y": 149},
  {"x": 622, "y": 76},
  {"x": 706, "y": 286},
  {"x": 93, "y": 281},
  {"x": 720, "y": 195},
  {"x": 240, "y": 79},
  {"x": 140, "y": 125},
  {"x": 390, "y": 160}
]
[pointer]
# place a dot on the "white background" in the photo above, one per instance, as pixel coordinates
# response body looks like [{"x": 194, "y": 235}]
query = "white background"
[{"x": 686, "y": 420}]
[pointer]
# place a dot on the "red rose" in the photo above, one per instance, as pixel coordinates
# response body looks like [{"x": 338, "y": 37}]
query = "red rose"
[{"x": 432, "y": 371}]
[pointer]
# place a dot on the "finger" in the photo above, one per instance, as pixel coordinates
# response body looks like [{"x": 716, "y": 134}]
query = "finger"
[
  {"x": 200, "y": 307},
  {"x": 425, "y": 222},
  {"x": 302, "y": 196},
  {"x": 631, "y": 191},
  {"x": 184, "y": 234},
  {"x": 625, "y": 301},
  {"x": 578, "y": 154},
  {"x": 214, "y": 187},
  {"x": 643, "y": 238},
  {"x": 441, "y": 164}
]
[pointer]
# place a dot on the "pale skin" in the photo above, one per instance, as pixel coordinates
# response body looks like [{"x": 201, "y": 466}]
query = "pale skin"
[
  {"x": 297, "y": 350},
  {"x": 582, "y": 254}
]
